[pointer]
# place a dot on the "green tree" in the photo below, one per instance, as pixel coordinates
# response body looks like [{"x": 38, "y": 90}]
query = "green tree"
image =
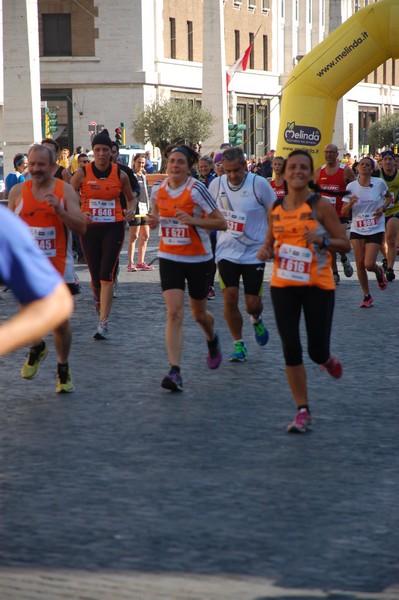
[
  {"x": 172, "y": 121},
  {"x": 381, "y": 133}
]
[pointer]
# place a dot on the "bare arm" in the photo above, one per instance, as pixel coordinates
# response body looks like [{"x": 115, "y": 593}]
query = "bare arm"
[
  {"x": 266, "y": 251},
  {"x": 328, "y": 217},
  {"x": 214, "y": 221},
  {"x": 70, "y": 213},
  {"x": 130, "y": 200},
  {"x": 66, "y": 175},
  {"x": 14, "y": 196},
  {"x": 36, "y": 319},
  {"x": 349, "y": 174}
]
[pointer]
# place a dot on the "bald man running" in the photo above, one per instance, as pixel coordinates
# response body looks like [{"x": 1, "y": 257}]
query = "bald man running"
[{"x": 334, "y": 177}]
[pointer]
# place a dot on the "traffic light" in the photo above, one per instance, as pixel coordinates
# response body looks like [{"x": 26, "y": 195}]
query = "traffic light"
[
  {"x": 118, "y": 136},
  {"x": 240, "y": 134},
  {"x": 396, "y": 135},
  {"x": 232, "y": 133},
  {"x": 236, "y": 133},
  {"x": 53, "y": 122},
  {"x": 123, "y": 133}
]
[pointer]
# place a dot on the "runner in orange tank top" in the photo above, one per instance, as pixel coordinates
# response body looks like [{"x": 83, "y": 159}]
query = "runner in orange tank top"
[
  {"x": 302, "y": 226},
  {"x": 100, "y": 184},
  {"x": 50, "y": 208},
  {"x": 186, "y": 214}
]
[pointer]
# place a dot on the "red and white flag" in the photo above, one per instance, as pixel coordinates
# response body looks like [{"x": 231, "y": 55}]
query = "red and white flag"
[{"x": 240, "y": 65}]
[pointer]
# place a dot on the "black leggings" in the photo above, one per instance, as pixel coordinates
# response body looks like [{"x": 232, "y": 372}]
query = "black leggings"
[
  {"x": 102, "y": 245},
  {"x": 318, "y": 308}
]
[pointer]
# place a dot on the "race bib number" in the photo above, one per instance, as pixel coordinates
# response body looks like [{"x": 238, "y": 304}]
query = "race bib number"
[
  {"x": 102, "y": 211},
  {"x": 142, "y": 208},
  {"x": 173, "y": 232},
  {"x": 293, "y": 263},
  {"x": 332, "y": 199},
  {"x": 366, "y": 221},
  {"x": 45, "y": 239},
  {"x": 235, "y": 222}
]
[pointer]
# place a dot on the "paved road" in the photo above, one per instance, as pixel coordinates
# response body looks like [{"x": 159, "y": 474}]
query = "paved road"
[{"x": 125, "y": 491}]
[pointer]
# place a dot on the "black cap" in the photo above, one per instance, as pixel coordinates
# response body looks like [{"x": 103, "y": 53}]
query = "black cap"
[{"x": 102, "y": 138}]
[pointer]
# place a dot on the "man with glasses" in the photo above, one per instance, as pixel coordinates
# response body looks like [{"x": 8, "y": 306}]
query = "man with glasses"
[
  {"x": 334, "y": 176},
  {"x": 389, "y": 173}
]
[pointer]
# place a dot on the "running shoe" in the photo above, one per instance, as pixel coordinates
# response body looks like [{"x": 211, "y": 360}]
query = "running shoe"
[
  {"x": 173, "y": 381},
  {"x": 131, "y": 268},
  {"x": 240, "y": 353},
  {"x": 261, "y": 333},
  {"x": 390, "y": 274},
  {"x": 367, "y": 302},
  {"x": 384, "y": 264},
  {"x": 102, "y": 330},
  {"x": 337, "y": 278},
  {"x": 30, "y": 368},
  {"x": 382, "y": 280},
  {"x": 348, "y": 269},
  {"x": 333, "y": 367},
  {"x": 214, "y": 354},
  {"x": 64, "y": 387},
  {"x": 301, "y": 423},
  {"x": 211, "y": 293},
  {"x": 144, "y": 267}
]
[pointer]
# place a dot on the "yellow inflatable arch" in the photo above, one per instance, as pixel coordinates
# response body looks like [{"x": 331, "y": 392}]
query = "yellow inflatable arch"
[{"x": 322, "y": 77}]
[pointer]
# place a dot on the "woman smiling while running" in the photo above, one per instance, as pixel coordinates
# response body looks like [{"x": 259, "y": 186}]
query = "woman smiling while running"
[
  {"x": 186, "y": 212},
  {"x": 302, "y": 225}
]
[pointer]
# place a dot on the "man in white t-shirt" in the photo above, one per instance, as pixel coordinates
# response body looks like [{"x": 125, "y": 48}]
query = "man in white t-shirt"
[{"x": 244, "y": 200}]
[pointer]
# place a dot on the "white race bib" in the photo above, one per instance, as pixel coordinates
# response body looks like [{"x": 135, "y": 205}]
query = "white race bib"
[
  {"x": 366, "y": 221},
  {"x": 45, "y": 239},
  {"x": 102, "y": 211},
  {"x": 235, "y": 222},
  {"x": 173, "y": 232},
  {"x": 293, "y": 263}
]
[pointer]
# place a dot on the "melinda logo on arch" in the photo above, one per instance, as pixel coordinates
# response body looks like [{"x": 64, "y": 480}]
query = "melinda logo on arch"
[{"x": 301, "y": 135}]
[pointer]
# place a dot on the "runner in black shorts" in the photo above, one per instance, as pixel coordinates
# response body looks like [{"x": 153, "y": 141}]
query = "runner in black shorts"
[{"x": 186, "y": 212}]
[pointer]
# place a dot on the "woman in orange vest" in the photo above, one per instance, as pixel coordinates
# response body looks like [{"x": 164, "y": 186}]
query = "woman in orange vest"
[
  {"x": 302, "y": 226},
  {"x": 186, "y": 214},
  {"x": 100, "y": 184}
]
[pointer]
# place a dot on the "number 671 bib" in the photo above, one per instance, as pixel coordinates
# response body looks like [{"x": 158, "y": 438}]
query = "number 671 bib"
[{"x": 293, "y": 263}]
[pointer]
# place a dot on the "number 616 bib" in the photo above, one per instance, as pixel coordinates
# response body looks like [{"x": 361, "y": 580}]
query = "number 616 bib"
[{"x": 293, "y": 263}]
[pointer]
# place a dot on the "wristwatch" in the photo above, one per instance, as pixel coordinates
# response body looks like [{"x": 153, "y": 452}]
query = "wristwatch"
[{"x": 326, "y": 242}]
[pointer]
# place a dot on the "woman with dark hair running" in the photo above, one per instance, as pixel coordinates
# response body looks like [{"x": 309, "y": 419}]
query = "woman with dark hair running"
[
  {"x": 100, "y": 184},
  {"x": 369, "y": 198},
  {"x": 302, "y": 225},
  {"x": 186, "y": 213}
]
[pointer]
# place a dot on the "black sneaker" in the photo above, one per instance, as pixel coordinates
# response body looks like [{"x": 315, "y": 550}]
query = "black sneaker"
[
  {"x": 390, "y": 273},
  {"x": 173, "y": 381}
]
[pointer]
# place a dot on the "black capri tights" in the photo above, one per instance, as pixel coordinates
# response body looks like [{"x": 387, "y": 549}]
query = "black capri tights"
[
  {"x": 318, "y": 308},
  {"x": 102, "y": 245}
]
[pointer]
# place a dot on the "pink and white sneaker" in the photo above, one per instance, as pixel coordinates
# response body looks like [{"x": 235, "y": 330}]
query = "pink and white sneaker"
[
  {"x": 131, "y": 268},
  {"x": 144, "y": 267},
  {"x": 301, "y": 423}
]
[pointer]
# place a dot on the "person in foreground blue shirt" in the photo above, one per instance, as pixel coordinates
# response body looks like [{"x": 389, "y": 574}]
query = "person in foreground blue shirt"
[{"x": 44, "y": 297}]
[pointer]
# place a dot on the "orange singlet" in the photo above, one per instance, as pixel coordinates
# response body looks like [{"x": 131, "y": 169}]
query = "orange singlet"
[
  {"x": 46, "y": 226},
  {"x": 177, "y": 238},
  {"x": 100, "y": 197},
  {"x": 295, "y": 262}
]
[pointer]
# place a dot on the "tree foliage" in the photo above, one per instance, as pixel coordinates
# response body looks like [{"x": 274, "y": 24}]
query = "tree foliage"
[
  {"x": 381, "y": 133},
  {"x": 172, "y": 122}
]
